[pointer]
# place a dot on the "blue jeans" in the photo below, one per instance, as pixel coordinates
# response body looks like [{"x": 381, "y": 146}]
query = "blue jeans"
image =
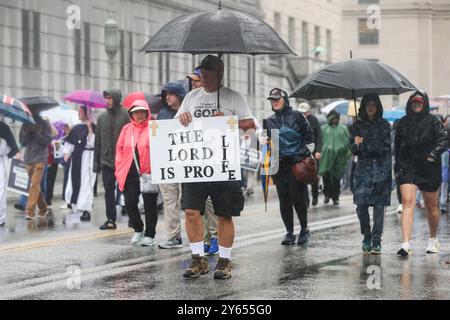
[{"x": 378, "y": 221}]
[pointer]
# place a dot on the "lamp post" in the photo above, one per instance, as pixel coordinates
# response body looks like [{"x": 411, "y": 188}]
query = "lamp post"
[{"x": 111, "y": 45}]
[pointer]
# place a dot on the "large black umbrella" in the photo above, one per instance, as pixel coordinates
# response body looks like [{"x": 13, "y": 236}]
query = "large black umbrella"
[
  {"x": 39, "y": 103},
  {"x": 351, "y": 79},
  {"x": 219, "y": 31}
]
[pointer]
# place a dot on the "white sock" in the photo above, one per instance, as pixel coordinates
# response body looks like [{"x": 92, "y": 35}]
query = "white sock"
[
  {"x": 225, "y": 253},
  {"x": 406, "y": 245},
  {"x": 198, "y": 249}
]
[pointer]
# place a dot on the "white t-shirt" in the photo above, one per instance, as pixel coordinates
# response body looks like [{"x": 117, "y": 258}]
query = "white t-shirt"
[{"x": 202, "y": 104}]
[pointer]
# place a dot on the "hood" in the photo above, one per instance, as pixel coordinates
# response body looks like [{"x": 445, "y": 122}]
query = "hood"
[
  {"x": 362, "y": 110},
  {"x": 333, "y": 114},
  {"x": 175, "y": 87},
  {"x": 116, "y": 94},
  {"x": 287, "y": 104},
  {"x": 140, "y": 103},
  {"x": 426, "y": 109}
]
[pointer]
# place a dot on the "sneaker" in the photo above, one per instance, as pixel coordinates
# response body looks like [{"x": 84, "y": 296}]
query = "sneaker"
[
  {"x": 326, "y": 200},
  {"x": 198, "y": 266},
  {"x": 213, "y": 248},
  {"x": 86, "y": 216},
  {"x": 303, "y": 237},
  {"x": 367, "y": 245},
  {"x": 19, "y": 207},
  {"x": 376, "y": 247},
  {"x": 108, "y": 225},
  {"x": 400, "y": 208},
  {"x": 315, "y": 201},
  {"x": 65, "y": 206},
  {"x": 223, "y": 269},
  {"x": 2, "y": 224},
  {"x": 336, "y": 202},
  {"x": 172, "y": 244},
  {"x": 405, "y": 250},
  {"x": 289, "y": 239},
  {"x": 46, "y": 214},
  {"x": 148, "y": 242},
  {"x": 433, "y": 246},
  {"x": 29, "y": 217},
  {"x": 137, "y": 238}
]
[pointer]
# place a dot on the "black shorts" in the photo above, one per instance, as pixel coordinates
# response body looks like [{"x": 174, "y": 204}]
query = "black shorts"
[
  {"x": 226, "y": 196},
  {"x": 425, "y": 187}
]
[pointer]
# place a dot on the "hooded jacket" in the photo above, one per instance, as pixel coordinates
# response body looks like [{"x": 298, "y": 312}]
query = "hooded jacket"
[
  {"x": 36, "y": 139},
  {"x": 177, "y": 88},
  {"x": 419, "y": 136},
  {"x": 335, "y": 148},
  {"x": 371, "y": 183},
  {"x": 291, "y": 124},
  {"x": 7, "y": 135},
  {"x": 125, "y": 151},
  {"x": 109, "y": 125}
]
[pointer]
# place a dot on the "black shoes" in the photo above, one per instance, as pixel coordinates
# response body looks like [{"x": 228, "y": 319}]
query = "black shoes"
[
  {"x": 86, "y": 216},
  {"x": 19, "y": 207},
  {"x": 108, "y": 225},
  {"x": 315, "y": 201},
  {"x": 326, "y": 200},
  {"x": 304, "y": 237},
  {"x": 289, "y": 239}
]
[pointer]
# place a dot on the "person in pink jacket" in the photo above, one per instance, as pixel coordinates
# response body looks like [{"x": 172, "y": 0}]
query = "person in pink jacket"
[{"x": 133, "y": 160}]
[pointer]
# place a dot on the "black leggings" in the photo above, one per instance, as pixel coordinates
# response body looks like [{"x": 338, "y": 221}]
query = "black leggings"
[
  {"x": 131, "y": 193},
  {"x": 291, "y": 194}
]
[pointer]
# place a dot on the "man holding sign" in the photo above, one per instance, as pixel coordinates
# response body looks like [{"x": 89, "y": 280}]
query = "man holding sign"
[{"x": 227, "y": 197}]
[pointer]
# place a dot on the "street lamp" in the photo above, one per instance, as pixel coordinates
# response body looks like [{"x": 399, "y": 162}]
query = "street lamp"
[{"x": 111, "y": 45}]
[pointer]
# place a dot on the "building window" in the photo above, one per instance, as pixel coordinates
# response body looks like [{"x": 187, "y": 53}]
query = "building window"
[
  {"x": 87, "y": 49},
  {"x": 130, "y": 56},
  {"x": 305, "y": 40},
  {"x": 329, "y": 46},
  {"x": 316, "y": 36},
  {"x": 366, "y": 35},
  {"x": 77, "y": 47},
  {"x": 122, "y": 54},
  {"x": 31, "y": 39},
  {"x": 36, "y": 39},
  {"x": 25, "y": 38},
  {"x": 277, "y": 22},
  {"x": 292, "y": 34}
]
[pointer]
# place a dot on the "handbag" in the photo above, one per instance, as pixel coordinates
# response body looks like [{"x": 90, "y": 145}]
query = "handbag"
[
  {"x": 145, "y": 179},
  {"x": 305, "y": 171}
]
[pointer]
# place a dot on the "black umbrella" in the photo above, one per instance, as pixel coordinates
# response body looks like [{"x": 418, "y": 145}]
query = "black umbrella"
[
  {"x": 351, "y": 79},
  {"x": 39, "y": 102},
  {"x": 218, "y": 32}
]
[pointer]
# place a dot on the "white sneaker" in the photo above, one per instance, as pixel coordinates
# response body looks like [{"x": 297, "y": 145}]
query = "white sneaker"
[
  {"x": 64, "y": 207},
  {"x": 137, "y": 238},
  {"x": 405, "y": 250},
  {"x": 400, "y": 208},
  {"x": 433, "y": 246},
  {"x": 148, "y": 242}
]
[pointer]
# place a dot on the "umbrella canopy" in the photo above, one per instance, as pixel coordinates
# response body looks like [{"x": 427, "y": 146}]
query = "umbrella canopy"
[
  {"x": 218, "y": 31},
  {"x": 394, "y": 115},
  {"x": 344, "y": 107},
  {"x": 60, "y": 114},
  {"x": 39, "y": 102},
  {"x": 351, "y": 79},
  {"x": 88, "y": 98},
  {"x": 153, "y": 101},
  {"x": 15, "y": 109}
]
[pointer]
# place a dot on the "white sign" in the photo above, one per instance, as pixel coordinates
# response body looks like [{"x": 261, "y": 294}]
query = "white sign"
[
  {"x": 205, "y": 151},
  {"x": 250, "y": 159},
  {"x": 18, "y": 181}
]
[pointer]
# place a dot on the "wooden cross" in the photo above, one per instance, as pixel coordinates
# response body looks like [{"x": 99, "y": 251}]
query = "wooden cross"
[
  {"x": 232, "y": 122},
  {"x": 153, "y": 125}
]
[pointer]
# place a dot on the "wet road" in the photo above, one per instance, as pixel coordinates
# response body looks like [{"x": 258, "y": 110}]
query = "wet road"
[{"x": 38, "y": 261}]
